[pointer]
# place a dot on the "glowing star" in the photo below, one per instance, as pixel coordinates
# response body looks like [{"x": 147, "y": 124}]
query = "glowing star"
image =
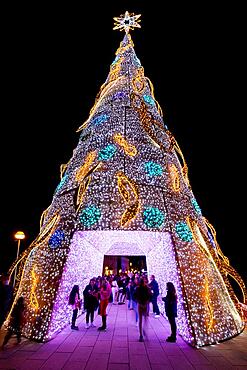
[{"x": 126, "y": 22}]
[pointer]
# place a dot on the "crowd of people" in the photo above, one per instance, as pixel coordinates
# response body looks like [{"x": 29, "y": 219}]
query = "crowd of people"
[
  {"x": 135, "y": 289},
  {"x": 100, "y": 291}
]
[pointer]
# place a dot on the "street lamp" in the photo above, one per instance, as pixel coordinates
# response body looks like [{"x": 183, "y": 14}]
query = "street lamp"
[{"x": 18, "y": 236}]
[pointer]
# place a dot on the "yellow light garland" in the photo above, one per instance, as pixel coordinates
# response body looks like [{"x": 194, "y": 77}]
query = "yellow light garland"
[
  {"x": 138, "y": 82},
  {"x": 33, "y": 299},
  {"x": 132, "y": 210},
  {"x": 128, "y": 148},
  {"x": 43, "y": 216},
  {"x": 174, "y": 145},
  {"x": 82, "y": 171},
  {"x": 114, "y": 71},
  {"x": 225, "y": 269},
  {"x": 152, "y": 94},
  {"x": 62, "y": 169},
  {"x": 174, "y": 174},
  {"x": 50, "y": 225},
  {"x": 81, "y": 192},
  {"x": 98, "y": 101},
  {"x": 83, "y": 176},
  {"x": 146, "y": 120}
]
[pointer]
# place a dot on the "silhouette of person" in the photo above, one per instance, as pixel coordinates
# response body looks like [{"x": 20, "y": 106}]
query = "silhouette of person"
[
  {"x": 155, "y": 292},
  {"x": 171, "y": 310},
  {"x": 142, "y": 295},
  {"x": 74, "y": 301},
  {"x": 6, "y": 296},
  {"x": 16, "y": 321}
]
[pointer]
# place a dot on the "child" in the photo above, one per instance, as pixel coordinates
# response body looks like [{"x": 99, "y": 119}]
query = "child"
[
  {"x": 16, "y": 321},
  {"x": 74, "y": 301}
]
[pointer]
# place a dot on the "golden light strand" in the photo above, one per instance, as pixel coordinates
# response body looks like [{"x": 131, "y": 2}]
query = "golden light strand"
[
  {"x": 114, "y": 71},
  {"x": 43, "y": 216},
  {"x": 152, "y": 94},
  {"x": 62, "y": 169},
  {"x": 138, "y": 82},
  {"x": 83, "y": 176},
  {"x": 146, "y": 120},
  {"x": 174, "y": 174},
  {"x": 96, "y": 104},
  {"x": 82, "y": 171},
  {"x": 128, "y": 148},
  {"x": 50, "y": 225},
  {"x": 226, "y": 269},
  {"x": 213, "y": 232},
  {"x": 33, "y": 299},
  {"x": 133, "y": 209},
  {"x": 81, "y": 192}
]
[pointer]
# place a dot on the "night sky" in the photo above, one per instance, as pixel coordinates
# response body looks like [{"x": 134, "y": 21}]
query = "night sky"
[{"x": 54, "y": 60}]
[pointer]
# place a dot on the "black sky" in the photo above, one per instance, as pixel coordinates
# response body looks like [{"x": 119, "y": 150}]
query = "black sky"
[{"x": 54, "y": 60}]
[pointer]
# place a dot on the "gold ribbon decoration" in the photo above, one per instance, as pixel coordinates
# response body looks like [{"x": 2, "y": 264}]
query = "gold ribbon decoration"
[
  {"x": 129, "y": 192},
  {"x": 127, "y": 147},
  {"x": 174, "y": 175},
  {"x": 83, "y": 176},
  {"x": 33, "y": 299}
]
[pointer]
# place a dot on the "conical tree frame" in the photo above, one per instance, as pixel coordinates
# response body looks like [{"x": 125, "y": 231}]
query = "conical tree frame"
[{"x": 126, "y": 191}]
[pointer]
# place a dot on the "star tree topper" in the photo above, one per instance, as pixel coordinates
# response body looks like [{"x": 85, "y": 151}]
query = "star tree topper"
[{"x": 127, "y": 21}]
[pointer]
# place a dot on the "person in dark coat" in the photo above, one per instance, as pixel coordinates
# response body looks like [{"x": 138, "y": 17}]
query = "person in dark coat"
[
  {"x": 75, "y": 302},
  {"x": 16, "y": 321},
  {"x": 6, "y": 297},
  {"x": 142, "y": 294},
  {"x": 155, "y": 292},
  {"x": 171, "y": 310},
  {"x": 91, "y": 303}
]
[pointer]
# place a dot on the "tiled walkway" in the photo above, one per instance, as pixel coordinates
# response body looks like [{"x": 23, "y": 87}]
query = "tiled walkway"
[{"x": 118, "y": 349}]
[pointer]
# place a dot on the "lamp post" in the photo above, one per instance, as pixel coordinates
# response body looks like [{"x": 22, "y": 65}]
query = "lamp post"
[{"x": 18, "y": 236}]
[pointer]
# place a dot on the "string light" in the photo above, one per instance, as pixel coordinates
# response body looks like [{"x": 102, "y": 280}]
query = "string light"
[
  {"x": 33, "y": 299},
  {"x": 127, "y": 147},
  {"x": 125, "y": 191}
]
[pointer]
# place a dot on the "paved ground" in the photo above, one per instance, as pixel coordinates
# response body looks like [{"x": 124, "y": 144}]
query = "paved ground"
[{"x": 119, "y": 349}]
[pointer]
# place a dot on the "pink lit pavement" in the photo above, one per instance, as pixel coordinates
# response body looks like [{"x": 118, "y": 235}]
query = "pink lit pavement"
[{"x": 118, "y": 348}]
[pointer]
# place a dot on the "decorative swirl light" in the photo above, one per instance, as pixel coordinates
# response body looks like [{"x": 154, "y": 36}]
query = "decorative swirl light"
[
  {"x": 174, "y": 175},
  {"x": 127, "y": 147},
  {"x": 129, "y": 191},
  {"x": 33, "y": 299}
]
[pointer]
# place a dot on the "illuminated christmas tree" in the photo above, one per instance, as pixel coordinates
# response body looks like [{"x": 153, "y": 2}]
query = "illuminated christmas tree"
[{"x": 126, "y": 191}]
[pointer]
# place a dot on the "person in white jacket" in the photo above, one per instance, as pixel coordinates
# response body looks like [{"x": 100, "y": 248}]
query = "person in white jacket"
[{"x": 114, "y": 288}]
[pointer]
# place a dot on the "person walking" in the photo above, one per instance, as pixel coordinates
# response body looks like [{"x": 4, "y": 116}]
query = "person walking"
[
  {"x": 134, "y": 285},
  {"x": 16, "y": 321},
  {"x": 155, "y": 293},
  {"x": 90, "y": 294},
  {"x": 171, "y": 310},
  {"x": 142, "y": 295},
  {"x": 74, "y": 301}
]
